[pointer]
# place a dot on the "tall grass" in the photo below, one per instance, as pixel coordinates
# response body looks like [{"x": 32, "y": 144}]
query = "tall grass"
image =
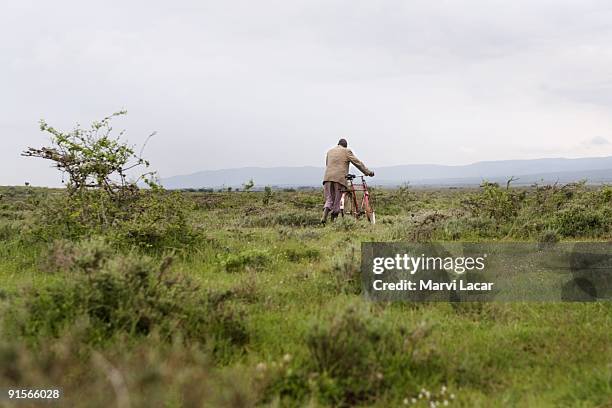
[{"x": 262, "y": 305}]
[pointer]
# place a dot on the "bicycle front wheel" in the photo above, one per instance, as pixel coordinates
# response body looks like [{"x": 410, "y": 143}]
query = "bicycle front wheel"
[{"x": 369, "y": 211}]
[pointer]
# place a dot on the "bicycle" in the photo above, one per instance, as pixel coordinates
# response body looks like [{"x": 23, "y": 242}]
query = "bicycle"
[{"x": 349, "y": 204}]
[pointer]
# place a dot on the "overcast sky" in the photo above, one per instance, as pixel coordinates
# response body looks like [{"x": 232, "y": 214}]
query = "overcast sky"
[{"x": 273, "y": 83}]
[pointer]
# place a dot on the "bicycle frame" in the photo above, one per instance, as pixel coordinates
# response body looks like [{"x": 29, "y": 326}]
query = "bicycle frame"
[{"x": 358, "y": 208}]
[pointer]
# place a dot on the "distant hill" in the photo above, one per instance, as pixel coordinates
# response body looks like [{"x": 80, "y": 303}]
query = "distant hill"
[{"x": 596, "y": 170}]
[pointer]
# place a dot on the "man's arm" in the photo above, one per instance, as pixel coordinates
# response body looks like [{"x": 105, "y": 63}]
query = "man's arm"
[{"x": 357, "y": 163}]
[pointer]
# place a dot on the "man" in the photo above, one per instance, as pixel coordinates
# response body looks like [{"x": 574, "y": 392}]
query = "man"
[{"x": 334, "y": 181}]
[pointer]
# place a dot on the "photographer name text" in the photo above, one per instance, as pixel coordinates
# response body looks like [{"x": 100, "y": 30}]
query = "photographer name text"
[{"x": 454, "y": 285}]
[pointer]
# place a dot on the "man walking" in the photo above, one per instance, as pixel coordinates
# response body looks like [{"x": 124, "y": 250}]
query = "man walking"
[{"x": 334, "y": 181}]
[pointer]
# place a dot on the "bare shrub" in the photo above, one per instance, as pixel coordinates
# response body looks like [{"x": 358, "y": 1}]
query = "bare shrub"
[{"x": 100, "y": 198}]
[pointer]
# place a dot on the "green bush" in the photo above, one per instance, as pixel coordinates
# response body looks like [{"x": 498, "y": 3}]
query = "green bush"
[
  {"x": 7, "y": 231},
  {"x": 419, "y": 227},
  {"x": 249, "y": 259},
  {"x": 154, "y": 219},
  {"x": 395, "y": 202},
  {"x": 355, "y": 358},
  {"x": 548, "y": 236},
  {"x": 267, "y": 196},
  {"x": 366, "y": 348},
  {"x": 85, "y": 256},
  {"x": 158, "y": 219},
  {"x": 100, "y": 198},
  {"x": 606, "y": 194},
  {"x": 126, "y": 295},
  {"x": 495, "y": 202},
  {"x": 346, "y": 223},
  {"x": 466, "y": 228},
  {"x": 580, "y": 221},
  {"x": 298, "y": 254},
  {"x": 346, "y": 355}
]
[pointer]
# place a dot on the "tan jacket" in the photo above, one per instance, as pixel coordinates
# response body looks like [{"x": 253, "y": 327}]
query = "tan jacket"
[{"x": 337, "y": 164}]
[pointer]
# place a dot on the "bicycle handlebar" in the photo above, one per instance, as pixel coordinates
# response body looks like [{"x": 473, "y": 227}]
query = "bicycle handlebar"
[{"x": 352, "y": 176}]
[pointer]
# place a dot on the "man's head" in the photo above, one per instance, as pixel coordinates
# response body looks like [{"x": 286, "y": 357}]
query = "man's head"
[{"x": 342, "y": 142}]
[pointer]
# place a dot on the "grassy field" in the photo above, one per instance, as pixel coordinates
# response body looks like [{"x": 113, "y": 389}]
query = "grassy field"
[{"x": 285, "y": 321}]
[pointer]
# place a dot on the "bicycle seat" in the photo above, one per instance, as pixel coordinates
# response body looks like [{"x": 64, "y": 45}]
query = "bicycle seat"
[{"x": 350, "y": 176}]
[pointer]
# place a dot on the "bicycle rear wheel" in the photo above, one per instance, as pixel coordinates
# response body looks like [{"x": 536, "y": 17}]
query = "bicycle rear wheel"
[{"x": 349, "y": 205}]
